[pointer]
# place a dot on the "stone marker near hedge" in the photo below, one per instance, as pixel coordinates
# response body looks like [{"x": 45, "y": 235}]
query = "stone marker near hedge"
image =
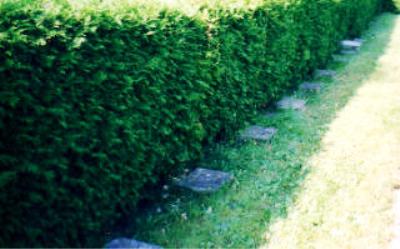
[
  {"x": 351, "y": 44},
  {"x": 291, "y": 103},
  {"x": 203, "y": 180},
  {"x": 130, "y": 243},
  {"x": 350, "y": 47},
  {"x": 259, "y": 133}
]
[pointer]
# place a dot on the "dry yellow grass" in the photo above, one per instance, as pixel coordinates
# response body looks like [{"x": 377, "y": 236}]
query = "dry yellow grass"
[{"x": 347, "y": 199}]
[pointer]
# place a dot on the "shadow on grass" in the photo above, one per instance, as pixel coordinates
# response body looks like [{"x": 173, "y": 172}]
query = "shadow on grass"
[{"x": 267, "y": 176}]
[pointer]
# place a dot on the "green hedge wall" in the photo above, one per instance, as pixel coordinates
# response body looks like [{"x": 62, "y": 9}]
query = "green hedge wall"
[{"x": 96, "y": 103}]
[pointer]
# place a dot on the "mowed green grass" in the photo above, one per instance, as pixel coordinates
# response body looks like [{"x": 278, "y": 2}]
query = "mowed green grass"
[{"x": 326, "y": 177}]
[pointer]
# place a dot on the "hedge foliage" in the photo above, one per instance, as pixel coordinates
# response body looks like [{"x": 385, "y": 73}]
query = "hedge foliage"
[{"x": 96, "y": 103}]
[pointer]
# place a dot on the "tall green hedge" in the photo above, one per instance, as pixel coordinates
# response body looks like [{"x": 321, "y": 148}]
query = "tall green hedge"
[{"x": 97, "y": 103}]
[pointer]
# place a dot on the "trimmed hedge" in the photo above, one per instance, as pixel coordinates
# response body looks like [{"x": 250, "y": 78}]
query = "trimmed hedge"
[{"x": 97, "y": 103}]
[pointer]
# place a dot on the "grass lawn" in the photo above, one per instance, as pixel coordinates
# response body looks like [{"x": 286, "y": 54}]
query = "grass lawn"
[{"x": 326, "y": 179}]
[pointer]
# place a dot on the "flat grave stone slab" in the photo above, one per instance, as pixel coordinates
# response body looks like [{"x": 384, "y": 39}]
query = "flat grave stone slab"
[
  {"x": 291, "y": 103},
  {"x": 351, "y": 44},
  {"x": 311, "y": 86},
  {"x": 320, "y": 73},
  {"x": 130, "y": 243},
  {"x": 260, "y": 133},
  {"x": 204, "y": 180}
]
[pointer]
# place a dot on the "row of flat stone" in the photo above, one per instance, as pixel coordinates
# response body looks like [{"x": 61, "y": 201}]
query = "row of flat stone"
[{"x": 203, "y": 180}]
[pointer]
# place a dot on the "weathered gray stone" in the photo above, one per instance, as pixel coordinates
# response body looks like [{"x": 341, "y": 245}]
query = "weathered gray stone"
[
  {"x": 324, "y": 73},
  {"x": 291, "y": 103},
  {"x": 311, "y": 86},
  {"x": 130, "y": 243},
  {"x": 204, "y": 180},
  {"x": 256, "y": 132},
  {"x": 351, "y": 44}
]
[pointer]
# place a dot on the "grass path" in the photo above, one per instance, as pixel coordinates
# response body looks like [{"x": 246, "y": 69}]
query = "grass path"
[
  {"x": 347, "y": 198},
  {"x": 326, "y": 179}
]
